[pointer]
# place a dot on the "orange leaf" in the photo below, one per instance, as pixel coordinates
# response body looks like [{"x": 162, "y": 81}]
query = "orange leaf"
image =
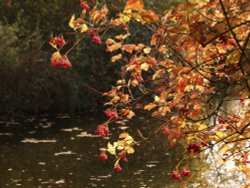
[
  {"x": 116, "y": 57},
  {"x": 149, "y": 16},
  {"x": 134, "y": 5},
  {"x": 129, "y": 48},
  {"x": 150, "y": 106}
]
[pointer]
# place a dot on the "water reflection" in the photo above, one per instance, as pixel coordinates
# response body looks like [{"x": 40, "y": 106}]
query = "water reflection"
[{"x": 64, "y": 153}]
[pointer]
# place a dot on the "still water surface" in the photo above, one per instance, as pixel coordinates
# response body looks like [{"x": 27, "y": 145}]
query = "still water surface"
[{"x": 64, "y": 152}]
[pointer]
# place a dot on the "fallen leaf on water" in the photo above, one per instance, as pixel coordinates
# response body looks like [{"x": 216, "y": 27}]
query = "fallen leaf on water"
[
  {"x": 35, "y": 141},
  {"x": 65, "y": 153}
]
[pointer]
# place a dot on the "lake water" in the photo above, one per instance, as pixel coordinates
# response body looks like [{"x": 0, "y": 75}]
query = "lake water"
[{"x": 63, "y": 152}]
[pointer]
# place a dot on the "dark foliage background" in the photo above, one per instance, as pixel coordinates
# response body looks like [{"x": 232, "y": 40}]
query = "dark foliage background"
[{"x": 27, "y": 82}]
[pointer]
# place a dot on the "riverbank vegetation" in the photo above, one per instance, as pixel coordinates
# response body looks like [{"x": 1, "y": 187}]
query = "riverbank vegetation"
[{"x": 188, "y": 74}]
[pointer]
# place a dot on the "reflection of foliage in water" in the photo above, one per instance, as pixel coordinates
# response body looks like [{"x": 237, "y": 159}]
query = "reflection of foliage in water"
[{"x": 69, "y": 161}]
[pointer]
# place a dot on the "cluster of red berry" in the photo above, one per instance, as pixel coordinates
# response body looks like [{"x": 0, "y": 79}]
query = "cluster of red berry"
[
  {"x": 165, "y": 130},
  {"x": 61, "y": 62},
  {"x": 111, "y": 113},
  {"x": 117, "y": 168},
  {"x": 221, "y": 120},
  {"x": 194, "y": 148},
  {"x": 95, "y": 37},
  {"x": 84, "y": 5},
  {"x": 57, "y": 41},
  {"x": 102, "y": 130},
  {"x": 57, "y": 60},
  {"x": 178, "y": 176},
  {"x": 103, "y": 156}
]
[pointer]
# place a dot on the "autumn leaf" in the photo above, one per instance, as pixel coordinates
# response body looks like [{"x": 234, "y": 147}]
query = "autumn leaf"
[
  {"x": 123, "y": 135},
  {"x": 150, "y": 106},
  {"x": 116, "y": 57},
  {"x": 149, "y": 16},
  {"x": 130, "y": 150},
  {"x": 112, "y": 45},
  {"x": 129, "y": 48},
  {"x": 71, "y": 22},
  {"x": 122, "y": 37},
  {"x": 98, "y": 15},
  {"x": 84, "y": 28},
  {"x": 134, "y": 4},
  {"x": 111, "y": 148}
]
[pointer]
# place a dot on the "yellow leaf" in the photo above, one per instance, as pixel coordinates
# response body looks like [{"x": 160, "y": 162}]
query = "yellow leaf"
[
  {"x": 71, "y": 22},
  {"x": 84, "y": 28},
  {"x": 200, "y": 88},
  {"x": 188, "y": 88},
  {"x": 158, "y": 74},
  {"x": 221, "y": 134},
  {"x": 129, "y": 140},
  {"x": 147, "y": 50},
  {"x": 56, "y": 55},
  {"x": 224, "y": 148},
  {"x": 156, "y": 98},
  {"x": 112, "y": 148},
  {"x": 144, "y": 66},
  {"x": 130, "y": 150},
  {"x": 125, "y": 18},
  {"x": 201, "y": 127},
  {"x": 116, "y": 57}
]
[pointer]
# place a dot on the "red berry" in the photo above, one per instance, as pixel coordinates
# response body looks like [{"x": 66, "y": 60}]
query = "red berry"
[
  {"x": 204, "y": 144},
  {"x": 111, "y": 113},
  {"x": 194, "y": 148},
  {"x": 103, "y": 156},
  {"x": 185, "y": 172},
  {"x": 84, "y": 5},
  {"x": 91, "y": 32},
  {"x": 165, "y": 130},
  {"x": 102, "y": 130},
  {"x": 96, "y": 39},
  {"x": 139, "y": 78},
  {"x": 118, "y": 168},
  {"x": 221, "y": 120},
  {"x": 61, "y": 62},
  {"x": 60, "y": 41},
  {"x": 176, "y": 175},
  {"x": 235, "y": 67},
  {"x": 124, "y": 159},
  {"x": 183, "y": 111},
  {"x": 242, "y": 101}
]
